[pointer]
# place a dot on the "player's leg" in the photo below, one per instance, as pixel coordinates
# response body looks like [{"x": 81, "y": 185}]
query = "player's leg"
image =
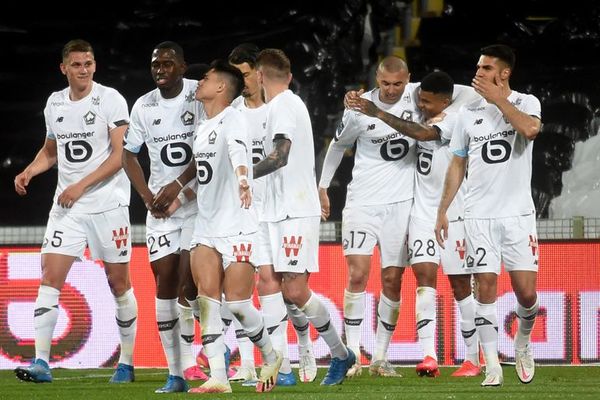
[
  {"x": 520, "y": 255},
  {"x": 207, "y": 270}
]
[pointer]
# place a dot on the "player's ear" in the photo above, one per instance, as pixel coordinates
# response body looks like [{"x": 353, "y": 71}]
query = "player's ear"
[{"x": 505, "y": 73}]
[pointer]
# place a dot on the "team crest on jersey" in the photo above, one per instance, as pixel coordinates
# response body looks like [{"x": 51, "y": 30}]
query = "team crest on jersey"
[
  {"x": 407, "y": 115},
  {"x": 187, "y": 118},
  {"x": 190, "y": 96},
  {"x": 470, "y": 262},
  {"x": 212, "y": 137},
  {"x": 96, "y": 100},
  {"x": 121, "y": 236},
  {"x": 242, "y": 253},
  {"x": 89, "y": 118}
]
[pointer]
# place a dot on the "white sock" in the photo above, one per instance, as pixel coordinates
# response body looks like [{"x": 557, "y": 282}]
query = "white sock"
[
  {"x": 186, "y": 336},
  {"x": 195, "y": 308},
  {"x": 246, "y": 348},
  {"x": 212, "y": 336},
  {"x": 167, "y": 319},
  {"x": 387, "y": 316},
  {"x": 426, "y": 313},
  {"x": 126, "y": 314},
  {"x": 468, "y": 329},
  {"x": 275, "y": 318},
  {"x": 226, "y": 316},
  {"x": 318, "y": 315},
  {"x": 254, "y": 326},
  {"x": 354, "y": 313},
  {"x": 44, "y": 320},
  {"x": 300, "y": 323},
  {"x": 486, "y": 320},
  {"x": 526, "y": 323}
]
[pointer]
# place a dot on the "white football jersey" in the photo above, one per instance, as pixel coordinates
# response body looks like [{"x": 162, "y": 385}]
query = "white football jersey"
[
  {"x": 220, "y": 146},
  {"x": 291, "y": 191},
  {"x": 433, "y": 158},
  {"x": 167, "y": 127},
  {"x": 81, "y": 130},
  {"x": 257, "y": 121},
  {"x": 499, "y": 165},
  {"x": 384, "y": 162}
]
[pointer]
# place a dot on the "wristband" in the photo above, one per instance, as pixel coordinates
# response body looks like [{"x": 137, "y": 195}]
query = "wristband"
[
  {"x": 242, "y": 178},
  {"x": 180, "y": 184},
  {"x": 182, "y": 198}
]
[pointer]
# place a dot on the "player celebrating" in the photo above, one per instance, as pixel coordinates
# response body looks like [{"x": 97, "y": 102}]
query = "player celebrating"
[
  {"x": 494, "y": 135},
  {"x": 85, "y": 125},
  {"x": 164, "y": 120}
]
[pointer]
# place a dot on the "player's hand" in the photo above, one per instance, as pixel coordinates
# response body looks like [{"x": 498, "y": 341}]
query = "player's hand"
[
  {"x": 441, "y": 229},
  {"x": 364, "y": 106},
  {"x": 493, "y": 92},
  {"x": 352, "y": 94},
  {"x": 437, "y": 119},
  {"x": 325, "y": 206},
  {"x": 70, "y": 195},
  {"x": 21, "y": 183},
  {"x": 165, "y": 196},
  {"x": 245, "y": 194}
]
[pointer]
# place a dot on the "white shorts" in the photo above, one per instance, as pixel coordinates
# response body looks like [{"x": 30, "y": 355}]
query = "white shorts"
[
  {"x": 107, "y": 234},
  {"x": 510, "y": 240},
  {"x": 166, "y": 236},
  {"x": 423, "y": 246},
  {"x": 387, "y": 225},
  {"x": 263, "y": 254},
  {"x": 295, "y": 244},
  {"x": 233, "y": 249}
]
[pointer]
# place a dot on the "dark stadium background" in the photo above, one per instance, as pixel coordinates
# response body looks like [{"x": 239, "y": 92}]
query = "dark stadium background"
[{"x": 557, "y": 46}]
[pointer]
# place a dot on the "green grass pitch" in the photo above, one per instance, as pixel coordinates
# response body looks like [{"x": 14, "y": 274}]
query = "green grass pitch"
[{"x": 578, "y": 383}]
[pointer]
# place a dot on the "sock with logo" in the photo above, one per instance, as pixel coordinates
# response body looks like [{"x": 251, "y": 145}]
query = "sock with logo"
[
  {"x": 354, "y": 313},
  {"x": 319, "y": 316},
  {"x": 167, "y": 319},
  {"x": 426, "y": 313},
  {"x": 468, "y": 329},
  {"x": 126, "y": 314},
  {"x": 245, "y": 346},
  {"x": 45, "y": 317},
  {"x": 387, "y": 316},
  {"x": 212, "y": 336},
  {"x": 526, "y": 322},
  {"x": 186, "y": 336},
  {"x": 486, "y": 320},
  {"x": 276, "y": 320},
  {"x": 300, "y": 323}
]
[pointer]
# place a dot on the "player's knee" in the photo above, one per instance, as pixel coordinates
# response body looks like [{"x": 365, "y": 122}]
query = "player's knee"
[{"x": 527, "y": 298}]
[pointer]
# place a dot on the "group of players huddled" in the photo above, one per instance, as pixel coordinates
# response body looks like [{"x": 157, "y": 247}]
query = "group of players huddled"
[{"x": 232, "y": 194}]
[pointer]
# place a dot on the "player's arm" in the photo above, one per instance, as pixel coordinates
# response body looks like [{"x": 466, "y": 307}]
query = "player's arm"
[
  {"x": 411, "y": 129},
  {"x": 134, "y": 171},
  {"x": 454, "y": 177},
  {"x": 278, "y": 158},
  {"x": 333, "y": 158},
  {"x": 108, "y": 168},
  {"x": 238, "y": 156},
  {"x": 43, "y": 161},
  {"x": 527, "y": 125},
  {"x": 168, "y": 193}
]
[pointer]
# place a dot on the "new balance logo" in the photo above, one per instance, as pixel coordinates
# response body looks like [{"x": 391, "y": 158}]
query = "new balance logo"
[
  {"x": 243, "y": 253},
  {"x": 370, "y": 127},
  {"x": 156, "y": 121},
  {"x": 59, "y": 119},
  {"x": 293, "y": 263},
  {"x": 121, "y": 237},
  {"x": 292, "y": 245},
  {"x": 123, "y": 253},
  {"x": 478, "y": 121}
]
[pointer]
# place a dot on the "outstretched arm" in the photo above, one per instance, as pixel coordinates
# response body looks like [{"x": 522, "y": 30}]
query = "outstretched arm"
[
  {"x": 454, "y": 178},
  {"x": 278, "y": 158}
]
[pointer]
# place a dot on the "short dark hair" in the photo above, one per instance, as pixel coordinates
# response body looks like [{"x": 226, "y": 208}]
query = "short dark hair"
[
  {"x": 232, "y": 75},
  {"x": 244, "y": 53},
  {"x": 501, "y": 52},
  {"x": 275, "y": 63},
  {"x": 438, "y": 82},
  {"x": 197, "y": 71},
  {"x": 169, "y": 45},
  {"x": 76, "y": 45}
]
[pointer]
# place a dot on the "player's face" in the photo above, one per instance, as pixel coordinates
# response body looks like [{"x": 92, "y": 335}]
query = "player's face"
[
  {"x": 431, "y": 104},
  {"x": 391, "y": 85},
  {"x": 489, "y": 68},
  {"x": 167, "y": 71},
  {"x": 79, "y": 68},
  {"x": 208, "y": 86},
  {"x": 251, "y": 86}
]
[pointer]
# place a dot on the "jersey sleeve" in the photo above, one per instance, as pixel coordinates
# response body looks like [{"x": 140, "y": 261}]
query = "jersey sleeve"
[
  {"x": 531, "y": 106},
  {"x": 237, "y": 141},
  {"x": 115, "y": 108},
  {"x": 134, "y": 137},
  {"x": 47, "y": 118},
  {"x": 462, "y": 95},
  {"x": 348, "y": 130},
  {"x": 446, "y": 127},
  {"x": 284, "y": 122},
  {"x": 459, "y": 144}
]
